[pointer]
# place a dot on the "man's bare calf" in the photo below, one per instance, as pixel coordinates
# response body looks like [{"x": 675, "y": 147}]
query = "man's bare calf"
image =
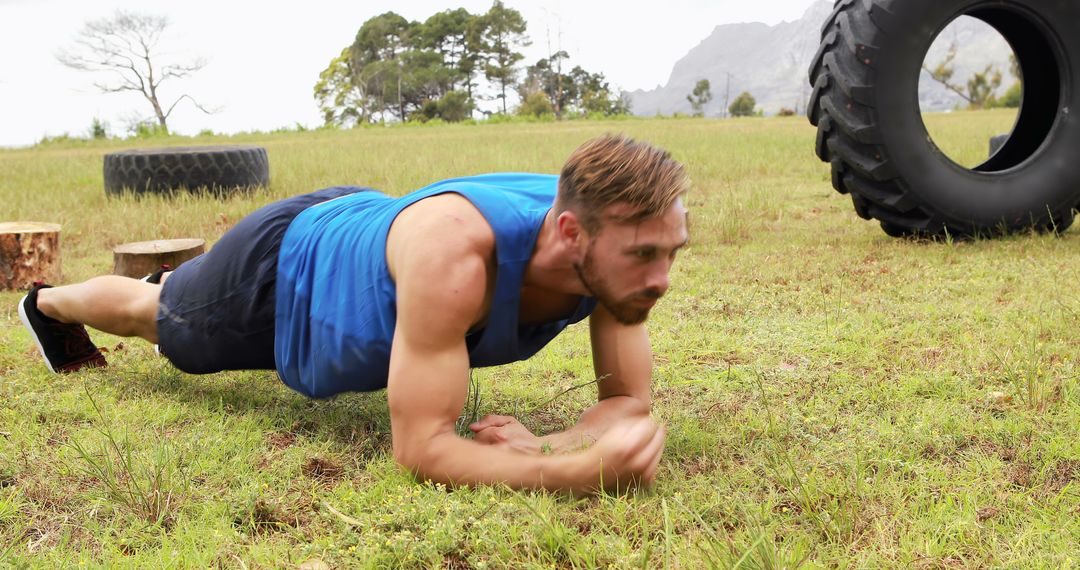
[{"x": 116, "y": 305}]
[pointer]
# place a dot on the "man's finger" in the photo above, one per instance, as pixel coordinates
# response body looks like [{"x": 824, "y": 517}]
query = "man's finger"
[
  {"x": 642, "y": 431},
  {"x": 654, "y": 466},
  {"x": 491, "y": 420},
  {"x": 650, "y": 453}
]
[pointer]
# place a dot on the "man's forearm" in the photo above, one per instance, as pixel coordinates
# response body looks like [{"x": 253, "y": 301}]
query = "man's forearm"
[
  {"x": 452, "y": 460},
  {"x": 593, "y": 423}
]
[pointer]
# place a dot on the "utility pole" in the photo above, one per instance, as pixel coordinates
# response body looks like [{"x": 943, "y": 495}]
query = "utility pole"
[
  {"x": 727, "y": 95},
  {"x": 558, "y": 70},
  {"x": 802, "y": 99}
]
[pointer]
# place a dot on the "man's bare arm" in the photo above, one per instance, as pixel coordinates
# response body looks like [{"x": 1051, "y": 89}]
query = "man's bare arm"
[
  {"x": 622, "y": 361},
  {"x": 439, "y": 295}
]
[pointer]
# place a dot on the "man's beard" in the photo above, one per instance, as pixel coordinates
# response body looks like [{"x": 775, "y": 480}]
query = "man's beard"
[{"x": 624, "y": 310}]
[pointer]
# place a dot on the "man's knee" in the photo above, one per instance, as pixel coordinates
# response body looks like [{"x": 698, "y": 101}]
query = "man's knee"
[{"x": 142, "y": 308}]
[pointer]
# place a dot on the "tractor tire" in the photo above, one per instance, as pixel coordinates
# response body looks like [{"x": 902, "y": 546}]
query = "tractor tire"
[
  {"x": 218, "y": 169},
  {"x": 865, "y": 105}
]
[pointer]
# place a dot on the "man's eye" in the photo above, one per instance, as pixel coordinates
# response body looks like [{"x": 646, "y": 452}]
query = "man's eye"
[{"x": 643, "y": 254}]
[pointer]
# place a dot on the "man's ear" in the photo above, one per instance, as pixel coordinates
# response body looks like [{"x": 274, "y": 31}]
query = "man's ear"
[{"x": 570, "y": 229}]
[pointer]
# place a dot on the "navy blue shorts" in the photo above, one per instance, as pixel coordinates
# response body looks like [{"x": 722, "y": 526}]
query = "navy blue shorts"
[{"x": 217, "y": 310}]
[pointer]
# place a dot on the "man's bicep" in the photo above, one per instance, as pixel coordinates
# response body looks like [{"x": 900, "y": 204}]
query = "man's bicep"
[{"x": 622, "y": 357}]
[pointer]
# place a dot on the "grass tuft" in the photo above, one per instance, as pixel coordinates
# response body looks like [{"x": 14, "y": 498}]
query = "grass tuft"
[{"x": 149, "y": 485}]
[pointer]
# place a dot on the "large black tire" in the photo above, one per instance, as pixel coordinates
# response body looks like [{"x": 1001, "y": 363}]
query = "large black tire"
[
  {"x": 218, "y": 169},
  {"x": 866, "y": 107}
]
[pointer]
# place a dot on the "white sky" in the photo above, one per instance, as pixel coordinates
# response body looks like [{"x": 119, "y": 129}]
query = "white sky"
[{"x": 265, "y": 57}]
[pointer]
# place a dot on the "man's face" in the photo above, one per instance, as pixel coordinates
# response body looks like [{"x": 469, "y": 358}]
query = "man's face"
[{"x": 626, "y": 266}]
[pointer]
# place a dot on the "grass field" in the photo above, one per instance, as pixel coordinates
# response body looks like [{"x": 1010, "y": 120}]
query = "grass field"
[{"x": 834, "y": 397}]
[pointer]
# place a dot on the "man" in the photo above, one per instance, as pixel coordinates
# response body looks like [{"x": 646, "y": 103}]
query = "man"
[{"x": 348, "y": 289}]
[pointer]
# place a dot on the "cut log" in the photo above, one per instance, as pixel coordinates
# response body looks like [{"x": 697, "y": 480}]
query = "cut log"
[
  {"x": 142, "y": 258},
  {"x": 29, "y": 251}
]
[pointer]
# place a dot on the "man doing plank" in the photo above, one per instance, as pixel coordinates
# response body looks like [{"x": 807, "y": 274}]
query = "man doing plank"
[{"x": 347, "y": 289}]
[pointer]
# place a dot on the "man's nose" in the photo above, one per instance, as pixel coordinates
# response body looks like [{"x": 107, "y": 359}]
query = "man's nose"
[{"x": 659, "y": 279}]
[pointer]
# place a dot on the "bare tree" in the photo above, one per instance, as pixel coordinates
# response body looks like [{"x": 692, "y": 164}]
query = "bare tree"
[{"x": 125, "y": 46}]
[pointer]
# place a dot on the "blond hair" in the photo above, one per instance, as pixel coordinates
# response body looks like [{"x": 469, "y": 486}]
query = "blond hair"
[{"x": 615, "y": 169}]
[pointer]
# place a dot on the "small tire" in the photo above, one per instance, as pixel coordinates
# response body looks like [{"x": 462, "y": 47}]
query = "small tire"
[
  {"x": 217, "y": 169},
  {"x": 866, "y": 108}
]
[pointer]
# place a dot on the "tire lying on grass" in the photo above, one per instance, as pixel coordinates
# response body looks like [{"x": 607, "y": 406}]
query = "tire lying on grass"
[
  {"x": 218, "y": 169},
  {"x": 866, "y": 108}
]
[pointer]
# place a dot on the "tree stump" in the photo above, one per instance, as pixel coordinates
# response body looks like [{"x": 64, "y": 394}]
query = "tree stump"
[
  {"x": 142, "y": 258},
  {"x": 29, "y": 251}
]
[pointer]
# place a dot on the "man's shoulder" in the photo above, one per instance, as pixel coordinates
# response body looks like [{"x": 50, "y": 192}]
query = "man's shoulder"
[
  {"x": 445, "y": 221},
  {"x": 517, "y": 189},
  {"x": 439, "y": 233}
]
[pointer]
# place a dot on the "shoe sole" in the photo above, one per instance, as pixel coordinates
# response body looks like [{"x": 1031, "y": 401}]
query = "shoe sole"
[{"x": 33, "y": 334}]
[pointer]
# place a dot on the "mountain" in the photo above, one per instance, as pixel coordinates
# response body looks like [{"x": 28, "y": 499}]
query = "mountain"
[{"x": 771, "y": 63}]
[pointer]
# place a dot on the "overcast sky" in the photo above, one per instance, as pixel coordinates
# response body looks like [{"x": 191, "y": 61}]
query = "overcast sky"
[{"x": 265, "y": 57}]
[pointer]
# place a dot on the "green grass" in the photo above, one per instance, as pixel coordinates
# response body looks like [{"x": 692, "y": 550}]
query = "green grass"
[{"x": 834, "y": 397}]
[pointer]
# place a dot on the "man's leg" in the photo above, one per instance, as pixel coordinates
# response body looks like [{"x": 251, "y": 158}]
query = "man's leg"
[{"x": 112, "y": 304}]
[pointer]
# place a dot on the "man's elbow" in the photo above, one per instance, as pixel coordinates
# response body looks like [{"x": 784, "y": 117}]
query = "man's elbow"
[
  {"x": 417, "y": 456},
  {"x": 406, "y": 458},
  {"x": 409, "y": 452}
]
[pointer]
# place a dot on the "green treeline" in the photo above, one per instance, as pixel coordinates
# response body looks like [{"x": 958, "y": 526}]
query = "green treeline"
[{"x": 443, "y": 67}]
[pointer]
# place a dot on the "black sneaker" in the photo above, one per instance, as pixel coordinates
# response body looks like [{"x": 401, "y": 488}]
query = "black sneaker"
[
  {"x": 65, "y": 347},
  {"x": 155, "y": 277}
]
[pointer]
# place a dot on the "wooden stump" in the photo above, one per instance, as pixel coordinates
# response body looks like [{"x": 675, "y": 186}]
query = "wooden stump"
[
  {"x": 142, "y": 258},
  {"x": 29, "y": 251}
]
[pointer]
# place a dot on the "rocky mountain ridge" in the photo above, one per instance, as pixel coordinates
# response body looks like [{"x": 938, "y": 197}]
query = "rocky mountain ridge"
[{"x": 771, "y": 63}]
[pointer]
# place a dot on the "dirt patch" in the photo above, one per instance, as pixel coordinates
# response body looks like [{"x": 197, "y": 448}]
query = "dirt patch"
[
  {"x": 986, "y": 513},
  {"x": 1020, "y": 474},
  {"x": 322, "y": 469},
  {"x": 953, "y": 455},
  {"x": 262, "y": 517},
  {"x": 1062, "y": 473},
  {"x": 280, "y": 439},
  {"x": 456, "y": 561}
]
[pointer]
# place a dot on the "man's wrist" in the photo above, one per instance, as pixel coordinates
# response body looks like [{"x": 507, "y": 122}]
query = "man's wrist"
[
  {"x": 575, "y": 473},
  {"x": 564, "y": 442}
]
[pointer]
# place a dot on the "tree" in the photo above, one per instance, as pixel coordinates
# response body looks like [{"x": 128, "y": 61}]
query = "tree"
[
  {"x": 981, "y": 88},
  {"x": 341, "y": 93},
  {"x": 546, "y": 77},
  {"x": 379, "y": 44},
  {"x": 455, "y": 106},
  {"x": 594, "y": 94},
  {"x": 743, "y": 105},
  {"x": 504, "y": 31},
  {"x": 126, "y": 46},
  {"x": 535, "y": 104},
  {"x": 578, "y": 91},
  {"x": 700, "y": 97},
  {"x": 98, "y": 129},
  {"x": 402, "y": 69},
  {"x": 397, "y": 68},
  {"x": 1014, "y": 95},
  {"x": 447, "y": 33}
]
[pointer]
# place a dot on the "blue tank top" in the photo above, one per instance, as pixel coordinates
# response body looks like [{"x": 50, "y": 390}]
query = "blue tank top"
[{"x": 337, "y": 305}]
